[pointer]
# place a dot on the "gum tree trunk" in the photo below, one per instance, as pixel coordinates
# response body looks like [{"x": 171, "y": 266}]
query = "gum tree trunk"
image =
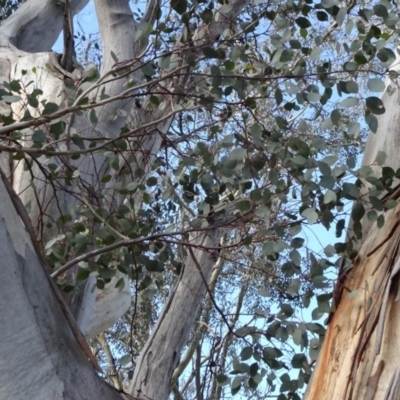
[
  {"x": 360, "y": 355},
  {"x": 40, "y": 356}
]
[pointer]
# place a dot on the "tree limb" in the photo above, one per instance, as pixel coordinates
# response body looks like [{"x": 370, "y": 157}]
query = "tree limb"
[{"x": 25, "y": 28}]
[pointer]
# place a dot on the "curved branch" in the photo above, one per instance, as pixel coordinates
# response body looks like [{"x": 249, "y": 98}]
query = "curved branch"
[{"x": 25, "y": 28}]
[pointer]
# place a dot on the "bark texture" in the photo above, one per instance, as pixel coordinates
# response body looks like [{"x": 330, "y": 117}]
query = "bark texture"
[
  {"x": 161, "y": 353},
  {"x": 359, "y": 358},
  {"x": 360, "y": 355},
  {"x": 41, "y": 358}
]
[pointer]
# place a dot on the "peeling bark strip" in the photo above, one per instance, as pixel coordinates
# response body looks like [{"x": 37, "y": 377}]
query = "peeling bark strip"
[{"x": 361, "y": 350}]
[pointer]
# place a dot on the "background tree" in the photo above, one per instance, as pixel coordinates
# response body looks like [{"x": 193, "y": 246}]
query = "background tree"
[{"x": 175, "y": 182}]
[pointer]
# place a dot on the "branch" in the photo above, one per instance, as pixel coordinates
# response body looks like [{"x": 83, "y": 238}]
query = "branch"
[
  {"x": 243, "y": 290},
  {"x": 198, "y": 335},
  {"x": 101, "y": 338},
  {"x": 116, "y": 245},
  {"x": 67, "y": 59},
  {"x": 36, "y": 25},
  {"x": 117, "y": 31}
]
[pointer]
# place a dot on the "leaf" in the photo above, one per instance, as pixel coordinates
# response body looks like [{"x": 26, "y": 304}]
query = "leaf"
[
  {"x": 372, "y": 122},
  {"x": 253, "y": 369},
  {"x": 125, "y": 359},
  {"x": 243, "y": 331},
  {"x": 350, "y": 191},
  {"x": 154, "y": 266},
  {"x": 386, "y": 56},
  {"x": 322, "y": 16},
  {"x": 152, "y": 181},
  {"x": 90, "y": 72},
  {"x": 349, "y": 102},
  {"x": 341, "y": 15},
  {"x": 281, "y": 122},
  {"x": 11, "y": 99},
  {"x": 303, "y": 22},
  {"x": 381, "y": 11},
  {"x": 360, "y": 58},
  {"x": 287, "y": 310},
  {"x": 358, "y": 212},
  {"x": 38, "y": 137},
  {"x": 93, "y": 116},
  {"x": 328, "y": 3},
  {"x": 297, "y": 243},
  {"x": 286, "y": 55},
  {"x": 316, "y": 53},
  {"x": 222, "y": 380},
  {"x": 376, "y": 85},
  {"x": 238, "y": 154},
  {"x": 114, "y": 57},
  {"x": 164, "y": 61},
  {"x": 381, "y": 157},
  {"x": 355, "y": 130},
  {"x": 335, "y": 116},
  {"x": 299, "y": 160},
  {"x": 351, "y": 87},
  {"x": 375, "y": 105},
  {"x": 295, "y": 257},
  {"x": 237, "y": 381},
  {"x": 209, "y": 52},
  {"x": 246, "y": 353},
  {"x": 330, "y": 197},
  {"x": 155, "y": 100},
  {"x": 278, "y": 96},
  {"x": 313, "y": 97},
  {"x": 349, "y": 26},
  {"x": 311, "y": 215},
  {"x": 299, "y": 360},
  {"x": 179, "y": 6},
  {"x": 229, "y": 65}
]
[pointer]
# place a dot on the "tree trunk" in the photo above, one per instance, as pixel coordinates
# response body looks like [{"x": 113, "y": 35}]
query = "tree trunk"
[
  {"x": 160, "y": 356},
  {"x": 40, "y": 356},
  {"x": 359, "y": 358}
]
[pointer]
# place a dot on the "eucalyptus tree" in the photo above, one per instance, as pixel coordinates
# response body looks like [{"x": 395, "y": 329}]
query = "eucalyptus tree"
[{"x": 181, "y": 174}]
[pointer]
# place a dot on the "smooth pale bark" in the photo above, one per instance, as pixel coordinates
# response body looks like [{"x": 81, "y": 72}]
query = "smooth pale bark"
[
  {"x": 36, "y": 26},
  {"x": 40, "y": 357},
  {"x": 161, "y": 353},
  {"x": 360, "y": 355},
  {"x": 50, "y": 79},
  {"x": 100, "y": 309}
]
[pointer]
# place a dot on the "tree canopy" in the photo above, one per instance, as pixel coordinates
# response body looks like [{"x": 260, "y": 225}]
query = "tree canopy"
[{"x": 206, "y": 138}]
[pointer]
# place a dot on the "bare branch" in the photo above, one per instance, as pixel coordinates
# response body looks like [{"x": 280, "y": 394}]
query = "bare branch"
[{"x": 117, "y": 30}]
